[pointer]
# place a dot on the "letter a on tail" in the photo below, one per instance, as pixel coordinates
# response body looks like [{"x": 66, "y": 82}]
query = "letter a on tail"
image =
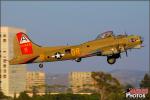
[{"x": 24, "y": 43}]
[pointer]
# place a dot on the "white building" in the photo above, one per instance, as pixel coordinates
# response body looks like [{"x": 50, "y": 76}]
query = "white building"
[
  {"x": 80, "y": 81},
  {"x": 35, "y": 80},
  {"x": 13, "y": 77}
]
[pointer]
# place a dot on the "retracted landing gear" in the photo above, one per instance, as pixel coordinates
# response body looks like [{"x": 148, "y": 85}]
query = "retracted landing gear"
[
  {"x": 78, "y": 59},
  {"x": 40, "y": 65}
]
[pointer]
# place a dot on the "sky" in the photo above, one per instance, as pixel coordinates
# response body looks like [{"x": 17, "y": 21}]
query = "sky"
[{"x": 51, "y": 23}]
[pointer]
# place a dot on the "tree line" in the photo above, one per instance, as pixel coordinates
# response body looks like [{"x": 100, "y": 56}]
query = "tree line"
[{"x": 108, "y": 88}]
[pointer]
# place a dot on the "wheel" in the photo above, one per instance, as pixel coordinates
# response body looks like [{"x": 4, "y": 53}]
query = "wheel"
[
  {"x": 78, "y": 59},
  {"x": 111, "y": 60},
  {"x": 41, "y": 65}
]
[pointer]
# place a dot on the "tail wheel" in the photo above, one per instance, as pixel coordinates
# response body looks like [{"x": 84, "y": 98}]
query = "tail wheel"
[
  {"x": 41, "y": 65},
  {"x": 111, "y": 60},
  {"x": 78, "y": 59}
]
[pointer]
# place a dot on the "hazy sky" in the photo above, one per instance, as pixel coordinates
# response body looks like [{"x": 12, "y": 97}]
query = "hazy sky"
[{"x": 51, "y": 23}]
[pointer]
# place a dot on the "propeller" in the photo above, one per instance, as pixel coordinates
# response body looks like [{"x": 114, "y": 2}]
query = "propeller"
[
  {"x": 125, "y": 34},
  {"x": 125, "y": 45},
  {"x": 142, "y": 39},
  {"x": 126, "y": 53},
  {"x": 125, "y": 50}
]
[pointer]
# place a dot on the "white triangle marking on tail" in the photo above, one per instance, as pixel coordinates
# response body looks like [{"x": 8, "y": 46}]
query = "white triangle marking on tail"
[{"x": 24, "y": 39}]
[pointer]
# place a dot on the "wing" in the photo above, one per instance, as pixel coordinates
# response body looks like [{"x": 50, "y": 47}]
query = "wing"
[
  {"x": 105, "y": 51},
  {"x": 91, "y": 53}
]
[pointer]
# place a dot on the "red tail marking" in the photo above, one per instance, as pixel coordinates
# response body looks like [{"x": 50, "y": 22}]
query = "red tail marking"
[{"x": 25, "y": 43}]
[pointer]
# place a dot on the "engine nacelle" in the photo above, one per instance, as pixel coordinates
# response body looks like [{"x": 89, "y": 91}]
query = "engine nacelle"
[{"x": 109, "y": 52}]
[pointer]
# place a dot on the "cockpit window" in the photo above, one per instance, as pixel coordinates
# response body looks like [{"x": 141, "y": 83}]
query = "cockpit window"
[{"x": 105, "y": 34}]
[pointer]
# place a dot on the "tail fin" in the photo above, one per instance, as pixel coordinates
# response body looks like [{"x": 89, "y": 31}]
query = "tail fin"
[{"x": 23, "y": 45}]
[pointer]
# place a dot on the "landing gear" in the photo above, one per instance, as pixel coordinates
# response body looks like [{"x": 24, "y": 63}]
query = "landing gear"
[
  {"x": 40, "y": 65},
  {"x": 78, "y": 59},
  {"x": 111, "y": 60}
]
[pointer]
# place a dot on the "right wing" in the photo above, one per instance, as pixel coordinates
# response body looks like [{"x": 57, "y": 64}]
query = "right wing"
[{"x": 105, "y": 51}]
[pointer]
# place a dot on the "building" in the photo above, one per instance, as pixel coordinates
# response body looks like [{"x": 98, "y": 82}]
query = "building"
[
  {"x": 35, "y": 81},
  {"x": 0, "y": 61},
  {"x": 80, "y": 81},
  {"x": 12, "y": 76}
]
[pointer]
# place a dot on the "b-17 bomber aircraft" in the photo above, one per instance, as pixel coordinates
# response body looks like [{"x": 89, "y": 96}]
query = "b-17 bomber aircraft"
[{"x": 106, "y": 44}]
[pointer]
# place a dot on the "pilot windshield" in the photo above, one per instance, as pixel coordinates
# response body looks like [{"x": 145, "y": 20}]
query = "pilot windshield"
[{"x": 105, "y": 34}]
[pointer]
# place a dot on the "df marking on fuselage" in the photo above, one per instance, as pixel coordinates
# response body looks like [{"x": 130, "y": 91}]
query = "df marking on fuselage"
[{"x": 106, "y": 44}]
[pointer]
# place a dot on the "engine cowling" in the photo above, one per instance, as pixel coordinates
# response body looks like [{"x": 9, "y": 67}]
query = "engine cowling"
[{"x": 110, "y": 51}]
